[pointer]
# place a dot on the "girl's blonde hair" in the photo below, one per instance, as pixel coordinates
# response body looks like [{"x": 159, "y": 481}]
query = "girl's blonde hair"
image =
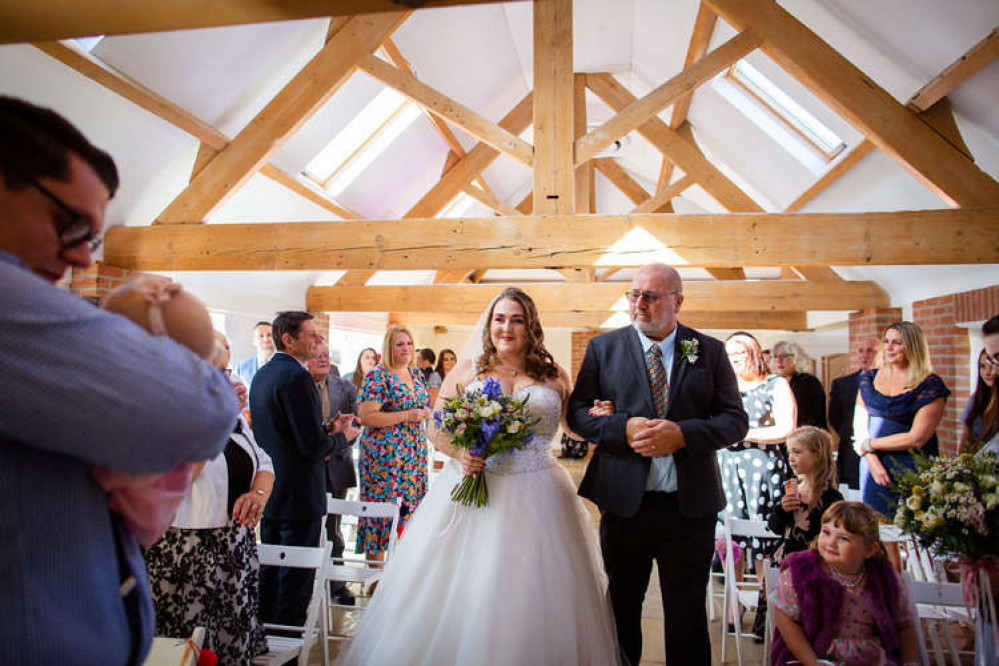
[
  {"x": 819, "y": 443},
  {"x": 917, "y": 352},
  {"x": 856, "y": 518}
]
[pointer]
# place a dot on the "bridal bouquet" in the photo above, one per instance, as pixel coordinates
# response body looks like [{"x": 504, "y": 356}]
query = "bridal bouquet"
[{"x": 485, "y": 421}]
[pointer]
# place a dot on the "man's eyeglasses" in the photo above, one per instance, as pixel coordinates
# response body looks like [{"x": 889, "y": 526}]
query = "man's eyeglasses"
[
  {"x": 650, "y": 296},
  {"x": 783, "y": 357},
  {"x": 79, "y": 229}
]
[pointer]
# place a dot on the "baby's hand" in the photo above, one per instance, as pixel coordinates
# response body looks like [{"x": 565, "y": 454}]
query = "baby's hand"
[{"x": 601, "y": 408}]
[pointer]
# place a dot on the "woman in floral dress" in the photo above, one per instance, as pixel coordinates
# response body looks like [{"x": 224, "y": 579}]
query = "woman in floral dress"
[{"x": 393, "y": 405}]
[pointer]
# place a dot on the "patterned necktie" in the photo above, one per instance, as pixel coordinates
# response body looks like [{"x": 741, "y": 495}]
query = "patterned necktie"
[{"x": 658, "y": 380}]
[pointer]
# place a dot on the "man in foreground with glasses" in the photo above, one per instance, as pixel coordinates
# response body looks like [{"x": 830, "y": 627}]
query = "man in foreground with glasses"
[
  {"x": 82, "y": 387},
  {"x": 658, "y": 399}
]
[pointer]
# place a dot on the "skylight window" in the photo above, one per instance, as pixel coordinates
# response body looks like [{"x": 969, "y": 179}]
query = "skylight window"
[
  {"x": 361, "y": 141},
  {"x": 88, "y": 44},
  {"x": 458, "y": 206},
  {"x": 807, "y": 126}
]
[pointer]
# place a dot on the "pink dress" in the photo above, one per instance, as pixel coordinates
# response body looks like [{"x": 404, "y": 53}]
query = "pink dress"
[
  {"x": 147, "y": 503},
  {"x": 857, "y": 642}
]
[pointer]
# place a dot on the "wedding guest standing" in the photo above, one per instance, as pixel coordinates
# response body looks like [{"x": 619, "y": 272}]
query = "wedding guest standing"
[
  {"x": 393, "y": 403},
  {"x": 263, "y": 343},
  {"x": 366, "y": 361},
  {"x": 980, "y": 420},
  {"x": 898, "y": 411},
  {"x": 445, "y": 361},
  {"x": 790, "y": 362},
  {"x": 842, "y": 400},
  {"x": 204, "y": 572}
]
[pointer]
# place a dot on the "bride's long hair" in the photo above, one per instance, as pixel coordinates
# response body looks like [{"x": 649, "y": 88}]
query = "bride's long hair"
[{"x": 538, "y": 362}]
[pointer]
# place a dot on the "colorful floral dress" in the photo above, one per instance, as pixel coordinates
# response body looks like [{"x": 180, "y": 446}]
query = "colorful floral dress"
[{"x": 393, "y": 460}]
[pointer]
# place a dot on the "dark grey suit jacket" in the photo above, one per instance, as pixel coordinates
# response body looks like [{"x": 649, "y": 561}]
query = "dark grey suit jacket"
[
  {"x": 340, "y": 473},
  {"x": 703, "y": 400},
  {"x": 287, "y": 423}
]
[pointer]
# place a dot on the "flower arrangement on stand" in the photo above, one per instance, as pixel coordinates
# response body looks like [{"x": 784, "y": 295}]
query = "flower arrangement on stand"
[
  {"x": 485, "y": 421},
  {"x": 951, "y": 506}
]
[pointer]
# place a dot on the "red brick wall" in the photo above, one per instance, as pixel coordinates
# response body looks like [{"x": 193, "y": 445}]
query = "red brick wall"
[
  {"x": 949, "y": 347},
  {"x": 579, "y": 341},
  {"x": 100, "y": 278},
  {"x": 867, "y": 324},
  {"x": 322, "y": 320}
]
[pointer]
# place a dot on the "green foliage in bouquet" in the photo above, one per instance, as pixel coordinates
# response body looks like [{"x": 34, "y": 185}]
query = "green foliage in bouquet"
[
  {"x": 485, "y": 421},
  {"x": 951, "y": 505}
]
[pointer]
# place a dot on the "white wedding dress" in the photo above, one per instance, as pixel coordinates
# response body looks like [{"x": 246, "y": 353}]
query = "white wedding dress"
[{"x": 518, "y": 582}]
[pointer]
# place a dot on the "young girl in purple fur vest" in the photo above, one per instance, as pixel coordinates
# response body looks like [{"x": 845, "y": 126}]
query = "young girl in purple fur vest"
[{"x": 841, "y": 602}]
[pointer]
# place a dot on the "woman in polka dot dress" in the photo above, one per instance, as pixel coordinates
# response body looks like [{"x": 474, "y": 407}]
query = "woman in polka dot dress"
[{"x": 754, "y": 469}]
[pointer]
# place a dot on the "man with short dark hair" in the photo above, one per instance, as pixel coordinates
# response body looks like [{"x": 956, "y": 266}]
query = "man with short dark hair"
[
  {"x": 263, "y": 343},
  {"x": 82, "y": 387},
  {"x": 288, "y": 425}
]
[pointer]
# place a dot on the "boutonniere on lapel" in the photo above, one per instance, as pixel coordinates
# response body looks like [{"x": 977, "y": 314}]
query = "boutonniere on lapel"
[{"x": 690, "y": 348}]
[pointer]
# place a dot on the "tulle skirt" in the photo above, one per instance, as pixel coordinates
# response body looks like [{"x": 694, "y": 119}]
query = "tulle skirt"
[{"x": 518, "y": 582}]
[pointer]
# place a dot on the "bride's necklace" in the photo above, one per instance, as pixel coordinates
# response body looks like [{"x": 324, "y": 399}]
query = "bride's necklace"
[{"x": 845, "y": 580}]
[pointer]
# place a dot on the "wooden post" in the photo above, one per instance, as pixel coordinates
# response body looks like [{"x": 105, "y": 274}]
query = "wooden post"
[{"x": 553, "y": 105}]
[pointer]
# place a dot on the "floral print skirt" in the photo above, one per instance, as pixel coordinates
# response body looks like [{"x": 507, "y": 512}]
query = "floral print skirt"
[
  {"x": 752, "y": 478},
  {"x": 209, "y": 578}
]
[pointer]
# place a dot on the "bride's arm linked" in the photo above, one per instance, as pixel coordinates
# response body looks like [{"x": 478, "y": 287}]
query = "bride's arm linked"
[{"x": 463, "y": 373}]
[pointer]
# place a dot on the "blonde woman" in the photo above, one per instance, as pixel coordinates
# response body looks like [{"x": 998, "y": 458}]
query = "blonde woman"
[
  {"x": 392, "y": 406},
  {"x": 898, "y": 411}
]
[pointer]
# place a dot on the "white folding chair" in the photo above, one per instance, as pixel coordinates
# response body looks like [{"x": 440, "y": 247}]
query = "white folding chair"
[
  {"x": 745, "y": 592},
  {"x": 176, "y": 651},
  {"x": 283, "y": 648},
  {"x": 849, "y": 494},
  {"x": 937, "y": 605},
  {"x": 358, "y": 569},
  {"x": 716, "y": 576},
  {"x": 772, "y": 574}
]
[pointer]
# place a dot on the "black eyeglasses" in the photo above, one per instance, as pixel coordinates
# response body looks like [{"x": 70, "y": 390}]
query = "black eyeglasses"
[
  {"x": 649, "y": 296},
  {"x": 79, "y": 229}
]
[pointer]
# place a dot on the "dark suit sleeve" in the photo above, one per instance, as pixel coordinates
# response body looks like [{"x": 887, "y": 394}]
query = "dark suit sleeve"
[
  {"x": 608, "y": 432},
  {"x": 301, "y": 403},
  {"x": 812, "y": 406},
  {"x": 725, "y": 421},
  {"x": 836, "y": 407}
]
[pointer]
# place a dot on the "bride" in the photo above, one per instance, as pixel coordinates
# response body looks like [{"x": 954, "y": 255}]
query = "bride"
[{"x": 516, "y": 582}]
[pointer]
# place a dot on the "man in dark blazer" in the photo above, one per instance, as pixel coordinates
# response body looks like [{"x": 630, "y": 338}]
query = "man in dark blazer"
[
  {"x": 654, "y": 475},
  {"x": 842, "y": 400},
  {"x": 336, "y": 395},
  {"x": 288, "y": 425}
]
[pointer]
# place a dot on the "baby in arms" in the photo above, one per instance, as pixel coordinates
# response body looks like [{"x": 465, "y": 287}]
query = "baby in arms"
[{"x": 148, "y": 503}]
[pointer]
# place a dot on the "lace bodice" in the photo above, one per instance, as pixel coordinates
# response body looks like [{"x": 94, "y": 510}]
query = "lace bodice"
[{"x": 546, "y": 404}]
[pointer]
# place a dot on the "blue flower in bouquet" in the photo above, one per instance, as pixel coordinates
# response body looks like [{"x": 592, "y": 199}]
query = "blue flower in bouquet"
[
  {"x": 489, "y": 430},
  {"x": 492, "y": 389}
]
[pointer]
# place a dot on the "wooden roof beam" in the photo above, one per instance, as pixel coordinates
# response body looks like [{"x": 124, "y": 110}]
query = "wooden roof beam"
[
  {"x": 280, "y": 118},
  {"x": 765, "y": 296},
  {"x": 472, "y": 165},
  {"x": 638, "y": 112},
  {"x": 212, "y": 141},
  {"x": 554, "y": 177},
  {"x": 894, "y": 129},
  {"x": 847, "y": 161},
  {"x": 700, "y": 38},
  {"x": 977, "y": 57},
  {"x": 960, "y": 236},
  {"x": 787, "y": 321},
  {"x": 441, "y": 105},
  {"x": 685, "y": 155},
  {"x": 55, "y": 19}
]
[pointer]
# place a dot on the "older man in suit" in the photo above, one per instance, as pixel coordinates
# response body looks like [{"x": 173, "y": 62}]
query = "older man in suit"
[
  {"x": 842, "y": 401},
  {"x": 654, "y": 473},
  {"x": 288, "y": 425},
  {"x": 336, "y": 396}
]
